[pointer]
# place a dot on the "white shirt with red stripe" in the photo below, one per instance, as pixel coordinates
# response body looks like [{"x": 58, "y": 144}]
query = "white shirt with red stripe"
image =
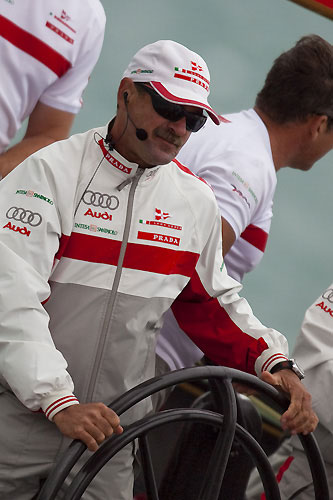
[
  {"x": 236, "y": 160},
  {"x": 48, "y": 51}
]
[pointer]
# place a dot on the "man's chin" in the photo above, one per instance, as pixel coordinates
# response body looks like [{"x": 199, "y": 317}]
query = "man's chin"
[
  {"x": 165, "y": 155},
  {"x": 166, "y": 159}
]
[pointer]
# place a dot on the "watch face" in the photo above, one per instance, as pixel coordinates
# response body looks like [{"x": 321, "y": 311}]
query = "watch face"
[{"x": 297, "y": 369}]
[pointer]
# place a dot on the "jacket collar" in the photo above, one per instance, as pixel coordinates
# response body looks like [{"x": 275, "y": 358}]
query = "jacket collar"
[{"x": 124, "y": 168}]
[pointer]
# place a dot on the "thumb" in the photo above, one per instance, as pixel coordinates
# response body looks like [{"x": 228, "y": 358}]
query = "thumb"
[{"x": 268, "y": 378}]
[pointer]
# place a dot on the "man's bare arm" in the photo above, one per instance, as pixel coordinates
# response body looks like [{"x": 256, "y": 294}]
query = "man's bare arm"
[
  {"x": 228, "y": 237},
  {"x": 46, "y": 125}
]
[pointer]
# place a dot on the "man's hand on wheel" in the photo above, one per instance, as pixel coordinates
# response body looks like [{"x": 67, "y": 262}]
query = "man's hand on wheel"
[
  {"x": 92, "y": 423},
  {"x": 300, "y": 417}
]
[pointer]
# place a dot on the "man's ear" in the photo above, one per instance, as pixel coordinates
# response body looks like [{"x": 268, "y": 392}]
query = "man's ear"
[
  {"x": 123, "y": 88},
  {"x": 318, "y": 125},
  {"x": 126, "y": 88}
]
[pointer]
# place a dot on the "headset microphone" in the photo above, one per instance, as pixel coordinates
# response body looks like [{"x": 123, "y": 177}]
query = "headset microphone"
[{"x": 141, "y": 133}]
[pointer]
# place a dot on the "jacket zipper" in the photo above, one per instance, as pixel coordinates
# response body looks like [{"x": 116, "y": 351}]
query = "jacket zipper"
[{"x": 113, "y": 293}]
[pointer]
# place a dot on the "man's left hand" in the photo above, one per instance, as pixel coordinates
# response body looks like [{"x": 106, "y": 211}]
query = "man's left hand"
[{"x": 300, "y": 417}]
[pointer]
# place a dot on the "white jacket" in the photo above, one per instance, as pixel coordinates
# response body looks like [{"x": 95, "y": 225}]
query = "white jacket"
[
  {"x": 314, "y": 352},
  {"x": 93, "y": 251}
]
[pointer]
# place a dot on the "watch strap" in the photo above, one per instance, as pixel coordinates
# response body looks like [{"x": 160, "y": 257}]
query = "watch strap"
[{"x": 288, "y": 364}]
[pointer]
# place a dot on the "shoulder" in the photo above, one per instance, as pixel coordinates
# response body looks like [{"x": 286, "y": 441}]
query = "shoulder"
[
  {"x": 247, "y": 154},
  {"x": 240, "y": 141},
  {"x": 187, "y": 175},
  {"x": 188, "y": 172},
  {"x": 246, "y": 137},
  {"x": 194, "y": 196},
  {"x": 70, "y": 153},
  {"x": 97, "y": 9},
  {"x": 82, "y": 20},
  {"x": 193, "y": 189}
]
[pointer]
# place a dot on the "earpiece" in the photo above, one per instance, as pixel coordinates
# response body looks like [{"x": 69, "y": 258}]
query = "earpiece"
[{"x": 141, "y": 133}]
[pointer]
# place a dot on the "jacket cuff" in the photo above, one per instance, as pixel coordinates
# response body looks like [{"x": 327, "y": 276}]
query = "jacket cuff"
[
  {"x": 52, "y": 406},
  {"x": 273, "y": 360}
]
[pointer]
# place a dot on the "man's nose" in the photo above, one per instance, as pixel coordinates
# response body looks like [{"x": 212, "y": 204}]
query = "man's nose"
[{"x": 179, "y": 127}]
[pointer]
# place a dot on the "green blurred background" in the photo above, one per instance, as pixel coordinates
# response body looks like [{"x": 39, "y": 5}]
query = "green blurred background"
[{"x": 239, "y": 39}]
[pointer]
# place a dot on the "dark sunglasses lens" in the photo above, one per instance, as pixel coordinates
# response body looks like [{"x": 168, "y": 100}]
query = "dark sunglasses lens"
[
  {"x": 168, "y": 110},
  {"x": 194, "y": 122},
  {"x": 175, "y": 112}
]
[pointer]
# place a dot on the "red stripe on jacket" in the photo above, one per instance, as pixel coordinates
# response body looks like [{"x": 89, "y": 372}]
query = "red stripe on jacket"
[
  {"x": 62, "y": 245},
  {"x": 210, "y": 327},
  {"x": 33, "y": 46},
  {"x": 284, "y": 467},
  {"x": 149, "y": 258},
  {"x": 255, "y": 236},
  {"x": 188, "y": 171}
]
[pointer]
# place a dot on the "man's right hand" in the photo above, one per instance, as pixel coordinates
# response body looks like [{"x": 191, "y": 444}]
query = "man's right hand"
[{"x": 92, "y": 423}]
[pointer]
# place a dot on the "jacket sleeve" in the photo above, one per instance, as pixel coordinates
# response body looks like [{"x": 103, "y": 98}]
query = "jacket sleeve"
[
  {"x": 66, "y": 92},
  {"x": 31, "y": 226},
  {"x": 222, "y": 323},
  {"x": 314, "y": 352}
]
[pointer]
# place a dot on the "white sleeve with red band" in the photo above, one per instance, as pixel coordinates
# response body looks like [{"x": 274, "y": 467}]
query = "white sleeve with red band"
[
  {"x": 223, "y": 325},
  {"x": 51, "y": 406},
  {"x": 273, "y": 360},
  {"x": 30, "y": 364}
]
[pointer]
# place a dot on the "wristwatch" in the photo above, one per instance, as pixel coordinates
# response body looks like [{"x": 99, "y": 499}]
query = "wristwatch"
[{"x": 289, "y": 364}]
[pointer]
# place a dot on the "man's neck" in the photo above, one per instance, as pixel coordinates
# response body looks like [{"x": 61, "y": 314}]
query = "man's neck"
[{"x": 284, "y": 139}]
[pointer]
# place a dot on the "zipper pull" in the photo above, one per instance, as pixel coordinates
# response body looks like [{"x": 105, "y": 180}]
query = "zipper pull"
[{"x": 130, "y": 179}]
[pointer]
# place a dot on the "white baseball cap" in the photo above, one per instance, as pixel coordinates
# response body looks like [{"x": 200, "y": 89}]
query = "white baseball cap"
[{"x": 175, "y": 72}]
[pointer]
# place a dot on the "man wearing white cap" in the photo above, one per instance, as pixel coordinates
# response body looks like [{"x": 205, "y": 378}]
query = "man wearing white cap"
[{"x": 93, "y": 255}]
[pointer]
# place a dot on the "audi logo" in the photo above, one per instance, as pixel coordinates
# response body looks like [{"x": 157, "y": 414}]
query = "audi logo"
[
  {"x": 328, "y": 295},
  {"x": 34, "y": 219},
  {"x": 102, "y": 200}
]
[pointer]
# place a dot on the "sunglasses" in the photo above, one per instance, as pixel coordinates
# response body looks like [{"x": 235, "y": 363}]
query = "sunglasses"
[{"x": 173, "y": 112}]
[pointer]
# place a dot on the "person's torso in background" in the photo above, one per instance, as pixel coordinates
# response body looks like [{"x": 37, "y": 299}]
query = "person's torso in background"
[{"x": 41, "y": 42}]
